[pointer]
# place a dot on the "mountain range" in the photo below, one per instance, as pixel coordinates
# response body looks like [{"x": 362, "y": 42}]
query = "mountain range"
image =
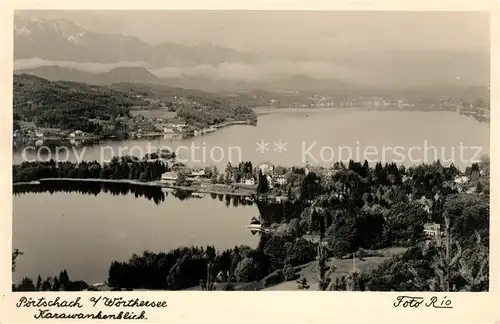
[
  {"x": 144, "y": 76},
  {"x": 62, "y": 50},
  {"x": 62, "y": 40}
]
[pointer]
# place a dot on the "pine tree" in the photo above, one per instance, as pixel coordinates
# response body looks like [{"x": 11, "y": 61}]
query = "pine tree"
[
  {"x": 446, "y": 262},
  {"x": 318, "y": 214},
  {"x": 64, "y": 279},
  {"x": 262, "y": 185},
  {"x": 15, "y": 255},
  {"x": 210, "y": 282},
  {"x": 474, "y": 267},
  {"x": 39, "y": 283}
]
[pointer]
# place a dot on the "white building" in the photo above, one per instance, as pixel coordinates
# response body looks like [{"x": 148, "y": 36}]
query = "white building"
[
  {"x": 280, "y": 179},
  {"x": 432, "y": 230},
  {"x": 270, "y": 181},
  {"x": 249, "y": 181},
  {"x": 461, "y": 179},
  {"x": 266, "y": 168},
  {"x": 169, "y": 176},
  {"x": 198, "y": 173}
]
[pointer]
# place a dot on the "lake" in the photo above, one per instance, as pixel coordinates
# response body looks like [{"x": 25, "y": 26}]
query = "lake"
[
  {"x": 314, "y": 136},
  {"x": 85, "y": 233}
]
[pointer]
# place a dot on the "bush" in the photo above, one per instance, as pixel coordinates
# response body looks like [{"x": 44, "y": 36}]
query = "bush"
[
  {"x": 245, "y": 270},
  {"x": 301, "y": 252},
  {"x": 274, "y": 247},
  {"x": 274, "y": 278},
  {"x": 289, "y": 273}
]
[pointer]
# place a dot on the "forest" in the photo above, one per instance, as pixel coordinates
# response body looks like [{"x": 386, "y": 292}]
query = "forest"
[
  {"x": 71, "y": 106},
  {"x": 68, "y": 105}
]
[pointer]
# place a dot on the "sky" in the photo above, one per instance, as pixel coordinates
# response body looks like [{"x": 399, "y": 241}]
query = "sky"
[
  {"x": 297, "y": 32},
  {"x": 370, "y": 47}
]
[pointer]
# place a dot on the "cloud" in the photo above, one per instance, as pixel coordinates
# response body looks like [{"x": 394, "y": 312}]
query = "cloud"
[{"x": 31, "y": 63}]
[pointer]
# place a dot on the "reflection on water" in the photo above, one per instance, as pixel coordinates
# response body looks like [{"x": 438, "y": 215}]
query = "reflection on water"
[
  {"x": 155, "y": 194},
  {"x": 84, "y": 226}
]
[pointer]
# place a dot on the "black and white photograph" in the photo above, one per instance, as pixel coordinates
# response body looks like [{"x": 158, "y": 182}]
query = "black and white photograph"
[{"x": 225, "y": 150}]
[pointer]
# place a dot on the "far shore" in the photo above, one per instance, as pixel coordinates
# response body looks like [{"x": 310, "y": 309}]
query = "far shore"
[{"x": 224, "y": 189}]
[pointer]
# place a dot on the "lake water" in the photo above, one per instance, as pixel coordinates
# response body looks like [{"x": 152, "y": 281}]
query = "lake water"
[
  {"x": 85, "y": 233},
  {"x": 314, "y": 136}
]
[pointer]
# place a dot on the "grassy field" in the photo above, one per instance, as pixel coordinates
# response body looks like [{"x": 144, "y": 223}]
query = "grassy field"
[
  {"x": 342, "y": 266},
  {"x": 154, "y": 113}
]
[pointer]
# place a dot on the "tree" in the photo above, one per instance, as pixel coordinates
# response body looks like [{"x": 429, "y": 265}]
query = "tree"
[
  {"x": 245, "y": 270},
  {"x": 289, "y": 272},
  {"x": 262, "y": 184},
  {"x": 39, "y": 283},
  {"x": 64, "y": 280},
  {"x": 181, "y": 179},
  {"x": 474, "y": 267},
  {"x": 468, "y": 213},
  {"x": 47, "y": 284},
  {"x": 300, "y": 252},
  {"x": 210, "y": 255},
  {"x": 323, "y": 279},
  {"x": 26, "y": 285},
  {"x": 445, "y": 263},
  {"x": 274, "y": 248},
  {"x": 56, "y": 285},
  {"x": 15, "y": 255}
]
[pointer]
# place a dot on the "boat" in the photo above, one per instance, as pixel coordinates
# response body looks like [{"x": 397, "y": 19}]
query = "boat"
[
  {"x": 255, "y": 227},
  {"x": 255, "y": 224}
]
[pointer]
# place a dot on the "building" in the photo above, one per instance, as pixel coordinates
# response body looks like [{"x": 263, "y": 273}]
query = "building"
[
  {"x": 432, "y": 230},
  {"x": 169, "y": 177},
  {"x": 168, "y": 130},
  {"x": 198, "y": 173},
  {"x": 280, "y": 180},
  {"x": 461, "y": 179},
  {"x": 270, "y": 181},
  {"x": 248, "y": 181},
  {"x": 266, "y": 168}
]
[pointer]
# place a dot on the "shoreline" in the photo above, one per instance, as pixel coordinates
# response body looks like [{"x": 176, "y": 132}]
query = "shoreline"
[
  {"x": 159, "y": 184},
  {"x": 211, "y": 129}
]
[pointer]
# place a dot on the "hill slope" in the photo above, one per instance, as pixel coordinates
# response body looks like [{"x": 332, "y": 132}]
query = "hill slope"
[{"x": 68, "y": 105}]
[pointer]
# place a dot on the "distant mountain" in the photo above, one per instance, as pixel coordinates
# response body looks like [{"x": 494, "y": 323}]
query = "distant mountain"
[
  {"x": 62, "y": 40},
  {"x": 120, "y": 74},
  {"x": 142, "y": 75}
]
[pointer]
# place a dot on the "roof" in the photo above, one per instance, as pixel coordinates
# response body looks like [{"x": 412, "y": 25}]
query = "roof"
[{"x": 432, "y": 226}]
